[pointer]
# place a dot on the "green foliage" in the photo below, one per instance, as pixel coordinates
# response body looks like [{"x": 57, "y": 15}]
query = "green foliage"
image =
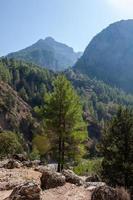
[
  {"x": 30, "y": 81},
  {"x": 34, "y": 155},
  {"x": 41, "y": 143},
  {"x": 9, "y": 144},
  {"x": 63, "y": 116},
  {"x": 117, "y": 149},
  {"x": 88, "y": 167}
]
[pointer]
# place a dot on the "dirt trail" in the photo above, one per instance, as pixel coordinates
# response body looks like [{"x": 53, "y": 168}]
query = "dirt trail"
[{"x": 67, "y": 192}]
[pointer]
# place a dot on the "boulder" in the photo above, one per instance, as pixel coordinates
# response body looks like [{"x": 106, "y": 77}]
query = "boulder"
[
  {"x": 26, "y": 191},
  {"x": 11, "y": 164},
  {"x": 36, "y": 163},
  {"x": 27, "y": 163},
  {"x": 71, "y": 177},
  {"x": 20, "y": 157},
  {"x": 50, "y": 179},
  {"x": 42, "y": 169},
  {"x": 94, "y": 178},
  {"x": 109, "y": 193}
]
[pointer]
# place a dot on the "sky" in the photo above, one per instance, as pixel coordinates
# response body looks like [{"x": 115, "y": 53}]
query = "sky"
[{"x": 73, "y": 22}]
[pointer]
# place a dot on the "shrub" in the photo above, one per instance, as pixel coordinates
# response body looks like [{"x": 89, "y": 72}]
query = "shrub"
[
  {"x": 88, "y": 167},
  {"x": 9, "y": 144},
  {"x": 35, "y": 155}
]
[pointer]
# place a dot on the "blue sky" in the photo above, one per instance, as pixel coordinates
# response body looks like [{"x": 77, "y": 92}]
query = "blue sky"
[{"x": 74, "y": 22}]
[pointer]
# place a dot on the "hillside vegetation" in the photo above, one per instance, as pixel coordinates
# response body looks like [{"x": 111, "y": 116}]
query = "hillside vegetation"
[{"x": 99, "y": 100}]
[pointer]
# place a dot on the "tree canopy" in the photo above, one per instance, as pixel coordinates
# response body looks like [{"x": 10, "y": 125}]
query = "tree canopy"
[
  {"x": 117, "y": 149},
  {"x": 62, "y": 112}
]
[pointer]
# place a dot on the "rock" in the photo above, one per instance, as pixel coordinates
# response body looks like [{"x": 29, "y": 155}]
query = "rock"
[
  {"x": 71, "y": 177},
  {"x": 11, "y": 164},
  {"x": 50, "y": 179},
  {"x": 94, "y": 178},
  {"x": 109, "y": 193},
  {"x": 26, "y": 191},
  {"x": 20, "y": 157},
  {"x": 42, "y": 169},
  {"x": 27, "y": 163},
  {"x": 91, "y": 186},
  {"x": 36, "y": 163}
]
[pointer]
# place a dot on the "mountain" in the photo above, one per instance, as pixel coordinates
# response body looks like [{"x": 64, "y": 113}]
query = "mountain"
[
  {"x": 109, "y": 56},
  {"x": 49, "y": 54}
]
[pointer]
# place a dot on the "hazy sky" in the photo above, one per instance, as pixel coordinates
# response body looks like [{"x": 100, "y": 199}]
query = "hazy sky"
[{"x": 74, "y": 22}]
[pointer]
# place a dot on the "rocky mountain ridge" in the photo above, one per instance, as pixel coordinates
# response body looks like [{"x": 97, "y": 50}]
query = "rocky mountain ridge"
[{"x": 48, "y": 53}]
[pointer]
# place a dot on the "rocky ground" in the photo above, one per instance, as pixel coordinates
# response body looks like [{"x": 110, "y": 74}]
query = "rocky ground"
[
  {"x": 27, "y": 180},
  {"x": 9, "y": 178}
]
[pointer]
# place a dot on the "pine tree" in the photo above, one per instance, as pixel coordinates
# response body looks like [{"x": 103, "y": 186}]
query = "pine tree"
[
  {"x": 117, "y": 149},
  {"x": 63, "y": 116}
]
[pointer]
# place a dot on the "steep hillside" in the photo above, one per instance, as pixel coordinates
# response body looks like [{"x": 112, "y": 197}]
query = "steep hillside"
[
  {"x": 109, "y": 56},
  {"x": 30, "y": 81},
  {"x": 49, "y": 54},
  {"x": 99, "y": 99},
  {"x": 14, "y": 112}
]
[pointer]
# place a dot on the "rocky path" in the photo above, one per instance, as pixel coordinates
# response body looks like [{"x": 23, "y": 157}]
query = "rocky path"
[{"x": 67, "y": 192}]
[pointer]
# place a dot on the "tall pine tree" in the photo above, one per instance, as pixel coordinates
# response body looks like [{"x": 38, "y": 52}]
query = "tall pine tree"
[{"x": 62, "y": 112}]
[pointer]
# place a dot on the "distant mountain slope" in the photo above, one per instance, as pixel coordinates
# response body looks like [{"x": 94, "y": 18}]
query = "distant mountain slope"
[
  {"x": 48, "y": 53},
  {"x": 109, "y": 56}
]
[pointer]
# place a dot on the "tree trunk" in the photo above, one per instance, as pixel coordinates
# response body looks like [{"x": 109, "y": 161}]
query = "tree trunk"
[
  {"x": 63, "y": 152},
  {"x": 59, "y": 156}
]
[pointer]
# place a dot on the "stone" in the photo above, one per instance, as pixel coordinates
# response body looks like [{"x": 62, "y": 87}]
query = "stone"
[
  {"x": 27, "y": 163},
  {"x": 20, "y": 157},
  {"x": 94, "y": 178},
  {"x": 71, "y": 177},
  {"x": 26, "y": 191},
  {"x": 42, "y": 169},
  {"x": 109, "y": 193},
  {"x": 50, "y": 179},
  {"x": 36, "y": 163},
  {"x": 11, "y": 164}
]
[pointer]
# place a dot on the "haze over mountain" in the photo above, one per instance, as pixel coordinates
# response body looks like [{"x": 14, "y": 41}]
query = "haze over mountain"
[
  {"x": 48, "y": 53},
  {"x": 109, "y": 56}
]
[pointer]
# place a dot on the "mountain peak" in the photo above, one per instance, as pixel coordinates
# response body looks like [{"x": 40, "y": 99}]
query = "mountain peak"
[
  {"x": 48, "y": 53},
  {"x": 49, "y": 39},
  {"x": 109, "y": 55}
]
